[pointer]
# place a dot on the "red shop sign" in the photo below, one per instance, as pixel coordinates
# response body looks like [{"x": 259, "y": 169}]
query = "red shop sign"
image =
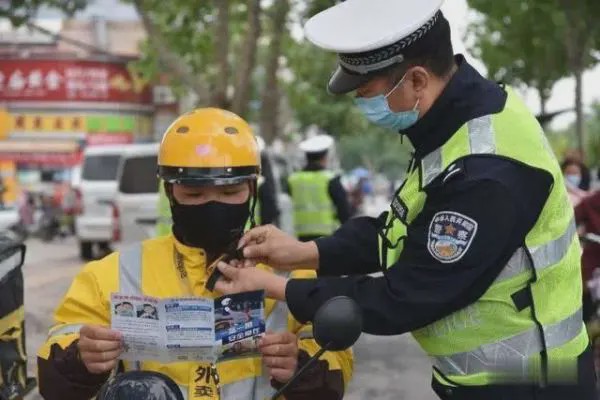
[
  {"x": 70, "y": 80},
  {"x": 45, "y": 159}
]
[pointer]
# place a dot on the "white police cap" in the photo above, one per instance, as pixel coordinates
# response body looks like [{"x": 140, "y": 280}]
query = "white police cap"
[
  {"x": 262, "y": 145},
  {"x": 317, "y": 144},
  {"x": 370, "y": 35}
]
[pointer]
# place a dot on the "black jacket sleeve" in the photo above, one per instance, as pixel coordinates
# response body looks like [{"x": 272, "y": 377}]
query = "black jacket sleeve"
[
  {"x": 351, "y": 250},
  {"x": 501, "y": 197},
  {"x": 340, "y": 199},
  {"x": 63, "y": 376}
]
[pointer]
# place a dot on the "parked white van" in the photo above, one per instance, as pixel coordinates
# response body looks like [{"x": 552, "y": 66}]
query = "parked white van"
[
  {"x": 136, "y": 204},
  {"x": 96, "y": 192}
]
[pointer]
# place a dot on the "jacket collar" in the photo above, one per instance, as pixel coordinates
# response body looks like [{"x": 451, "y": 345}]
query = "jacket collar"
[
  {"x": 193, "y": 257},
  {"x": 467, "y": 95}
]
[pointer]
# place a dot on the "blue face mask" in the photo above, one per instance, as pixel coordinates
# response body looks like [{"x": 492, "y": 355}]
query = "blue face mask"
[
  {"x": 377, "y": 110},
  {"x": 573, "y": 179}
]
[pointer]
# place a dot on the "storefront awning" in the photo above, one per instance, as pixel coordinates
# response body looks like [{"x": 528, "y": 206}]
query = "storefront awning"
[{"x": 44, "y": 153}]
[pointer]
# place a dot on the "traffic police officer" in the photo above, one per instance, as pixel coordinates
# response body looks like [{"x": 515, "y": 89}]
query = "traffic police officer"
[
  {"x": 479, "y": 249},
  {"x": 320, "y": 201}
]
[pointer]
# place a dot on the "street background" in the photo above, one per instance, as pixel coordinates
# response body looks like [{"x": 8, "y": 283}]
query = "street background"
[{"x": 88, "y": 87}]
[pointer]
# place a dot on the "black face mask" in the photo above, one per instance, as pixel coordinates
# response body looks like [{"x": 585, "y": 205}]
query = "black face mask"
[{"x": 212, "y": 226}]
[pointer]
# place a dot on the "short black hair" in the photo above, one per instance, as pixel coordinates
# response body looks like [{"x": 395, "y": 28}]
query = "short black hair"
[
  {"x": 314, "y": 157},
  {"x": 567, "y": 162},
  {"x": 433, "y": 51}
]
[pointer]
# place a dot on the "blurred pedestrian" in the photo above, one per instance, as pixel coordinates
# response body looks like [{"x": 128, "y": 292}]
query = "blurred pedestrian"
[
  {"x": 319, "y": 199},
  {"x": 27, "y": 209},
  {"x": 587, "y": 217},
  {"x": 267, "y": 209},
  {"x": 573, "y": 172},
  {"x": 357, "y": 198},
  {"x": 577, "y": 157}
]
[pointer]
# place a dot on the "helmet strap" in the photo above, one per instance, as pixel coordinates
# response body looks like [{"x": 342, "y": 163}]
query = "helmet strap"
[
  {"x": 169, "y": 191},
  {"x": 254, "y": 194}
]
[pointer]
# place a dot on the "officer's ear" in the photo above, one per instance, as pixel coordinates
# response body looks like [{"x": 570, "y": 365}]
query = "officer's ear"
[{"x": 420, "y": 78}]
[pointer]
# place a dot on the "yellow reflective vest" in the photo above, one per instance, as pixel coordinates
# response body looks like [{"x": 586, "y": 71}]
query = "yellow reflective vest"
[
  {"x": 88, "y": 302},
  {"x": 497, "y": 338},
  {"x": 314, "y": 210}
]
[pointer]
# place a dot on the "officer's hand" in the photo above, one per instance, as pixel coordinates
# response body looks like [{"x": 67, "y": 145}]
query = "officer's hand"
[
  {"x": 239, "y": 280},
  {"x": 99, "y": 348},
  {"x": 269, "y": 245},
  {"x": 280, "y": 354}
]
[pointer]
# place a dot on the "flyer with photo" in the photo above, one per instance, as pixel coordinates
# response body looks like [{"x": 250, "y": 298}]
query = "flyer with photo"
[{"x": 190, "y": 328}]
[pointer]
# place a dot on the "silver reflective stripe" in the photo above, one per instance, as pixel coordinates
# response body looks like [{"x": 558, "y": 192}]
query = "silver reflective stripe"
[
  {"x": 310, "y": 228},
  {"x": 130, "y": 270},
  {"x": 277, "y": 321},
  {"x": 240, "y": 390},
  {"x": 551, "y": 253},
  {"x": 432, "y": 166},
  {"x": 543, "y": 256},
  {"x": 184, "y": 391},
  {"x": 65, "y": 330},
  {"x": 305, "y": 334},
  {"x": 481, "y": 141},
  {"x": 481, "y": 135},
  {"x": 130, "y": 276},
  {"x": 312, "y": 207},
  {"x": 511, "y": 355}
]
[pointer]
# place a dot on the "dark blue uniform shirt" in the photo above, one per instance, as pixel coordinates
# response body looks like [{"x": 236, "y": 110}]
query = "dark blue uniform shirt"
[{"x": 504, "y": 197}]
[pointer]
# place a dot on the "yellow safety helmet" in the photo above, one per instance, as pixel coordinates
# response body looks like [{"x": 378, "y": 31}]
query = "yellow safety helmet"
[{"x": 208, "y": 146}]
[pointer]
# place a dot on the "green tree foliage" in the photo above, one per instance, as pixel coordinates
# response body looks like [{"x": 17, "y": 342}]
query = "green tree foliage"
[
  {"x": 582, "y": 36},
  {"x": 537, "y": 42},
  {"x": 563, "y": 141},
  {"x": 22, "y": 11},
  {"x": 380, "y": 152},
  {"x": 361, "y": 143},
  {"x": 521, "y": 42},
  {"x": 593, "y": 129},
  {"x": 182, "y": 41}
]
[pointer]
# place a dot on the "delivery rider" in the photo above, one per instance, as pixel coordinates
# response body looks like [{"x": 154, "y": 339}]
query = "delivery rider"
[{"x": 209, "y": 163}]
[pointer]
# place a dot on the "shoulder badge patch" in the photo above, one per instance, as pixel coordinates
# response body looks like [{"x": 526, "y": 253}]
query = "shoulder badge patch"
[{"x": 450, "y": 236}]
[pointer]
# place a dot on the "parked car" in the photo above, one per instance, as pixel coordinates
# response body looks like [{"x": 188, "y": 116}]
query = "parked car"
[
  {"x": 95, "y": 193},
  {"x": 9, "y": 219},
  {"x": 135, "y": 208}
]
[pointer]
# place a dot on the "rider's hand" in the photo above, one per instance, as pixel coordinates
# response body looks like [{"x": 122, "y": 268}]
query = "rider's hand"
[
  {"x": 279, "y": 250},
  {"x": 280, "y": 354},
  {"x": 99, "y": 348}
]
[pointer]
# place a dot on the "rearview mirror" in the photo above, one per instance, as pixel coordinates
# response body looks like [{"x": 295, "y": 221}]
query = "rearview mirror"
[{"x": 337, "y": 324}]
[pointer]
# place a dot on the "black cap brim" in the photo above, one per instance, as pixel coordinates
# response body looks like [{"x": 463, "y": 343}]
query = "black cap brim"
[{"x": 343, "y": 81}]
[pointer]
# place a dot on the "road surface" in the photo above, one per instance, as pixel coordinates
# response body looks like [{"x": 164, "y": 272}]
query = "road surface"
[{"x": 386, "y": 368}]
